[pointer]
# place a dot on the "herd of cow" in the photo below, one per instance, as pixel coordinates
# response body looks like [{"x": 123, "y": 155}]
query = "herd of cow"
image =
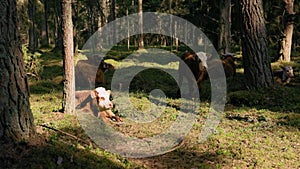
[
  {"x": 198, "y": 65},
  {"x": 99, "y": 101}
]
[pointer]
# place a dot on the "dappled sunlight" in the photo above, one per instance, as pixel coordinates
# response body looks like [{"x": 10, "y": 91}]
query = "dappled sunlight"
[
  {"x": 192, "y": 84},
  {"x": 251, "y": 122},
  {"x": 55, "y": 149}
]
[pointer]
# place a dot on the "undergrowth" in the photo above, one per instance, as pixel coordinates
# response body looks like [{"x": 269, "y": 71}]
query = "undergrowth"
[{"x": 258, "y": 129}]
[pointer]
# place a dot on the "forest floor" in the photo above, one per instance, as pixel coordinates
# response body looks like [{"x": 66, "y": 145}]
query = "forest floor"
[{"x": 258, "y": 129}]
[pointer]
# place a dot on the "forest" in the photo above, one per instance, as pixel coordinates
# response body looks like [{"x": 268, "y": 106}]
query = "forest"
[{"x": 149, "y": 84}]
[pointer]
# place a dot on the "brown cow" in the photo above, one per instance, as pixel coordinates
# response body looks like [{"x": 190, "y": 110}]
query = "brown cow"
[
  {"x": 192, "y": 60},
  {"x": 227, "y": 62},
  {"x": 89, "y": 75},
  {"x": 229, "y": 65},
  {"x": 106, "y": 66}
]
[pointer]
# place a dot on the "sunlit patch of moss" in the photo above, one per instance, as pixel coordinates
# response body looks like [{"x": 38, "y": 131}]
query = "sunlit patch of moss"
[{"x": 259, "y": 130}]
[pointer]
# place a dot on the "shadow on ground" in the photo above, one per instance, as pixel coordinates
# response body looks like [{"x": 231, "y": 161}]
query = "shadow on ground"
[{"x": 51, "y": 155}]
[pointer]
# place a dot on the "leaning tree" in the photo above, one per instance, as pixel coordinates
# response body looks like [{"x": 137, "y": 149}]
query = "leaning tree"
[
  {"x": 256, "y": 60},
  {"x": 16, "y": 120}
]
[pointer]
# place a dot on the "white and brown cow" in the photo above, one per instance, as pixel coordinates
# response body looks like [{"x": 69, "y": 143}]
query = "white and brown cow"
[{"x": 87, "y": 101}]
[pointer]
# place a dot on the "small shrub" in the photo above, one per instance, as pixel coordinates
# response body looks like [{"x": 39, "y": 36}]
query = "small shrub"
[{"x": 33, "y": 65}]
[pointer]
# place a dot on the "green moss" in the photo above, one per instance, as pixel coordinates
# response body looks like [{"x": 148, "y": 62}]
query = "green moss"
[{"x": 259, "y": 129}]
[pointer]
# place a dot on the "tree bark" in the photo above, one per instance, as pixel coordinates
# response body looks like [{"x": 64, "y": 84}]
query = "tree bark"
[
  {"x": 175, "y": 34},
  {"x": 128, "y": 30},
  {"x": 75, "y": 25},
  {"x": 225, "y": 26},
  {"x": 33, "y": 40},
  {"x": 113, "y": 18},
  {"x": 286, "y": 40},
  {"x": 171, "y": 23},
  {"x": 58, "y": 25},
  {"x": 257, "y": 67},
  {"x": 141, "y": 37},
  {"x": 105, "y": 10},
  {"x": 68, "y": 60},
  {"x": 45, "y": 31},
  {"x": 16, "y": 120}
]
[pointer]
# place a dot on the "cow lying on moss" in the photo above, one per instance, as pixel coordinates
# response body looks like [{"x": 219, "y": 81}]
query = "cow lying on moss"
[
  {"x": 88, "y": 101},
  {"x": 284, "y": 75}
]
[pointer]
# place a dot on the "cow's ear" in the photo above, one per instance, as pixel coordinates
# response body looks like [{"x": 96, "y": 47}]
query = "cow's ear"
[
  {"x": 108, "y": 91},
  {"x": 94, "y": 94}
]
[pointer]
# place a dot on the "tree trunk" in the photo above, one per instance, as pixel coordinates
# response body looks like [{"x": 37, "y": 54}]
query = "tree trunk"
[
  {"x": 225, "y": 26},
  {"x": 33, "y": 42},
  {"x": 105, "y": 10},
  {"x": 113, "y": 18},
  {"x": 16, "y": 120},
  {"x": 68, "y": 60},
  {"x": 45, "y": 32},
  {"x": 175, "y": 35},
  {"x": 128, "y": 30},
  {"x": 171, "y": 28},
  {"x": 257, "y": 67},
  {"x": 105, "y": 6},
  {"x": 75, "y": 21},
  {"x": 141, "y": 37},
  {"x": 58, "y": 25},
  {"x": 286, "y": 40}
]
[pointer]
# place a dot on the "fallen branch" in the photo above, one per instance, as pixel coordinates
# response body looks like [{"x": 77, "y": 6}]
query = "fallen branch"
[
  {"x": 32, "y": 75},
  {"x": 65, "y": 133}
]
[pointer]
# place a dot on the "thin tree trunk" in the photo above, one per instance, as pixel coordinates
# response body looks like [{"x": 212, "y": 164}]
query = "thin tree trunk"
[
  {"x": 105, "y": 10},
  {"x": 113, "y": 18},
  {"x": 68, "y": 60},
  {"x": 33, "y": 44},
  {"x": 257, "y": 67},
  {"x": 45, "y": 32},
  {"x": 176, "y": 26},
  {"x": 175, "y": 35},
  {"x": 16, "y": 120},
  {"x": 286, "y": 40},
  {"x": 58, "y": 26},
  {"x": 171, "y": 28},
  {"x": 75, "y": 34},
  {"x": 141, "y": 37},
  {"x": 128, "y": 30},
  {"x": 225, "y": 26},
  {"x": 186, "y": 31}
]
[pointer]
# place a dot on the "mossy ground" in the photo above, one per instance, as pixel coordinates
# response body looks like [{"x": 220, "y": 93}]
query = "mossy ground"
[{"x": 259, "y": 129}]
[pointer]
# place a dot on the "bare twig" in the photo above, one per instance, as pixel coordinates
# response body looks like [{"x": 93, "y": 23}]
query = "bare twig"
[{"x": 65, "y": 133}]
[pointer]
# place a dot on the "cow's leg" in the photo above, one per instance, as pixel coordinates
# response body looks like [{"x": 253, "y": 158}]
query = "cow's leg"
[{"x": 109, "y": 113}]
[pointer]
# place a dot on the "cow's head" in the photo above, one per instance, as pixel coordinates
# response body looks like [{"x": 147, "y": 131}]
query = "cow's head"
[
  {"x": 106, "y": 66},
  {"x": 288, "y": 71},
  {"x": 203, "y": 57},
  {"x": 102, "y": 97}
]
